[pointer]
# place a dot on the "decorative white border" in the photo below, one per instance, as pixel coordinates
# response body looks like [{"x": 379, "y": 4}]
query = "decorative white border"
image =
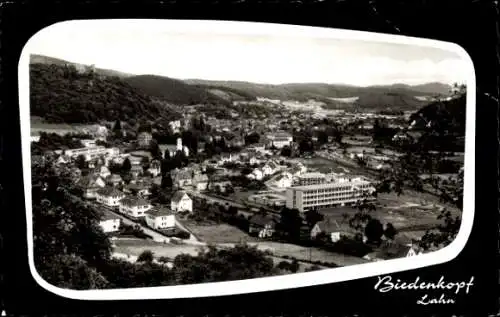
[{"x": 267, "y": 283}]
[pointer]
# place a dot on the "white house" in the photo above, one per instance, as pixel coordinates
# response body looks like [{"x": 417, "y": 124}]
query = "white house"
[
  {"x": 154, "y": 168},
  {"x": 283, "y": 181},
  {"x": 200, "y": 181},
  {"x": 104, "y": 172},
  {"x": 256, "y": 174},
  {"x": 90, "y": 184},
  {"x": 160, "y": 219},
  {"x": 332, "y": 229},
  {"x": 134, "y": 207},
  {"x": 268, "y": 169},
  {"x": 181, "y": 202},
  {"x": 109, "y": 196},
  {"x": 89, "y": 143},
  {"x": 109, "y": 222},
  {"x": 254, "y": 160}
]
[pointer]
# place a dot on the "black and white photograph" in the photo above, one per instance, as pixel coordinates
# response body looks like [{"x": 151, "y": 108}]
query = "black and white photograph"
[{"x": 164, "y": 156}]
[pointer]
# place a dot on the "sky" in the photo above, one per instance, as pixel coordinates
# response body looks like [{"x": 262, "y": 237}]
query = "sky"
[{"x": 245, "y": 52}]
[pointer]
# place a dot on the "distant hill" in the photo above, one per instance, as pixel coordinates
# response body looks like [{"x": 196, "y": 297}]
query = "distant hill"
[
  {"x": 433, "y": 89},
  {"x": 174, "y": 90},
  {"x": 398, "y": 97},
  {"x": 442, "y": 116},
  {"x": 46, "y": 60},
  {"x": 62, "y": 94}
]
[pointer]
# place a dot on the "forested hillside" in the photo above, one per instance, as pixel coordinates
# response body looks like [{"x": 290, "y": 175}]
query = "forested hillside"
[
  {"x": 60, "y": 93},
  {"x": 174, "y": 91}
]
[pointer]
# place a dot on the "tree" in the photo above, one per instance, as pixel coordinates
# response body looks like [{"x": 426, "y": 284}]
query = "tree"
[
  {"x": 286, "y": 151},
  {"x": 155, "y": 151},
  {"x": 117, "y": 126},
  {"x": 166, "y": 181},
  {"x": 232, "y": 210},
  {"x": 81, "y": 162},
  {"x": 390, "y": 232},
  {"x": 146, "y": 256},
  {"x": 252, "y": 138},
  {"x": 374, "y": 231},
  {"x": 126, "y": 166},
  {"x": 290, "y": 222},
  {"x": 312, "y": 217}
]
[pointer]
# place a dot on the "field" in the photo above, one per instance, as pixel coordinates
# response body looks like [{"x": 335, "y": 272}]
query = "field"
[
  {"x": 217, "y": 233},
  {"x": 134, "y": 247},
  {"x": 38, "y": 125},
  {"x": 323, "y": 165}
]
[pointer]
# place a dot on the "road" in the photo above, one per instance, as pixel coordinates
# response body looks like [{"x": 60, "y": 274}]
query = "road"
[{"x": 214, "y": 199}]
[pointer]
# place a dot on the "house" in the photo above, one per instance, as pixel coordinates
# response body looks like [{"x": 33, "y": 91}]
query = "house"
[
  {"x": 90, "y": 184},
  {"x": 134, "y": 207},
  {"x": 283, "y": 181},
  {"x": 258, "y": 147},
  {"x": 154, "y": 168},
  {"x": 109, "y": 222},
  {"x": 182, "y": 177},
  {"x": 262, "y": 225},
  {"x": 139, "y": 189},
  {"x": 75, "y": 173},
  {"x": 254, "y": 160},
  {"x": 268, "y": 170},
  {"x": 104, "y": 172},
  {"x": 175, "y": 126},
  {"x": 63, "y": 159},
  {"x": 109, "y": 196},
  {"x": 171, "y": 149},
  {"x": 136, "y": 170},
  {"x": 393, "y": 250},
  {"x": 256, "y": 174},
  {"x": 89, "y": 143},
  {"x": 181, "y": 202},
  {"x": 160, "y": 218},
  {"x": 332, "y": 229},
  {"x": 144, "y": 139},
  {"x": 114, "y": 180},
  {"x": 219, "y": 184},
  {"x": 200, "y": 181},
  {"x": 226, "y": 158}
]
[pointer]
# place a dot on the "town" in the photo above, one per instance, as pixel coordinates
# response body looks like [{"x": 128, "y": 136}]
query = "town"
[{"x": 300, "y": 184}]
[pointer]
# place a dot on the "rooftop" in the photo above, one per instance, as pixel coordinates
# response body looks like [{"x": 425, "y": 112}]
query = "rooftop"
[
  {"x": 109, "y": 191},
  {"x": 158, "y": 212},
  {"x": 134, "y": 201},
  {"x": 329, "y": 185},
  {"x": 178, "y": 196},
  {"x": 107, "y": 215}
]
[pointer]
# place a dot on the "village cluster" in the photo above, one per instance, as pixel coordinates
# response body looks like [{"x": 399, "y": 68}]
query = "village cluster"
[{"x": 257, "y": 176}]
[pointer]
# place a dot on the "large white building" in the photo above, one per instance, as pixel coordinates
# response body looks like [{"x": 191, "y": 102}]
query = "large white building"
[
  {"x": 279, "y": 139},
  {"x": 312, "y": 178},
  {"x": 327, "y": 195},
  {"x": 92, "y": 152}
]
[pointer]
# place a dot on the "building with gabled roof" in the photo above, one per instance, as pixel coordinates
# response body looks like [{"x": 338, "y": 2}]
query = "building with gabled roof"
[
  {"x": 181, "y": 202},
  {"x": 160, "y": 218},
  {"x": 109, "y": 222},
  {"x": 262, "y": 225},
  {"x": 90, "y": 184},
  {"x": 134, "y": 206},
  {"x": 109, "y": 196}
]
